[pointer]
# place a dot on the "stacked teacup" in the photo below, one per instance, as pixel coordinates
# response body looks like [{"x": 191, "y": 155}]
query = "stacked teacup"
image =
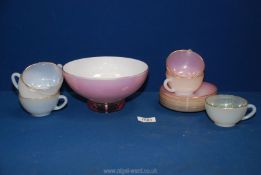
[
  {"x": 183, "y": 89},
  {"x": 185, "y": 72},
  {"x": 39, "y": 88}
]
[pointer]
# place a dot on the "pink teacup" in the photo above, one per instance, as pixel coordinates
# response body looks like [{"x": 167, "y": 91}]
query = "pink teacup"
[{"x": 185, "y": 63}]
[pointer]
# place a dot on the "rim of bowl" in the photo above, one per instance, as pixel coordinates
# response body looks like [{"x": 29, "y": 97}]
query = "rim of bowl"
[
  {"x": 178, "y": 76},
  {"x": 188, "y": 50},
  {"x": 35, "y": 88},
  {"x": 216, "y": 106},
  {"x": 91, "y": 78},
  {"x": 39, "y": 98}
]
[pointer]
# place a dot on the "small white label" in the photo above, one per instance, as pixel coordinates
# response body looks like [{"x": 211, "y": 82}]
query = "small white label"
[{"x": 146, "y": 120}]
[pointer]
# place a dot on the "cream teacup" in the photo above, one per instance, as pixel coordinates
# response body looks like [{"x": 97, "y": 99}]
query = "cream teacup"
[
  {"x": 39, "y": 80},
  {"x": 40, "y": 107},
  {"x": 25, "y": 90},
  {"x": 182, "y": 86},
  {"x": 227, "y": 110},
  {"x": 44, "y": 78}
]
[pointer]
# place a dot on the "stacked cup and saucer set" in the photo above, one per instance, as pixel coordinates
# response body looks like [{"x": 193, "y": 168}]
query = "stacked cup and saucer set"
[
  {"x": 106, "y": 82},
  {"x": 183, "y": 89}
]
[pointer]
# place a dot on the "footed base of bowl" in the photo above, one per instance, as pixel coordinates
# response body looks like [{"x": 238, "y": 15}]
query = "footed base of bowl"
[{"x": 105, "y": 107}]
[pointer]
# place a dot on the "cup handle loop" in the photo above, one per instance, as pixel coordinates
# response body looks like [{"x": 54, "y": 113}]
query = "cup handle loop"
[
  {"x": 166, "y": 85},
  {"x": 251, "y": 113},
  {"x": 65, "y": 101},
  {"x": 13, "y": 78}
]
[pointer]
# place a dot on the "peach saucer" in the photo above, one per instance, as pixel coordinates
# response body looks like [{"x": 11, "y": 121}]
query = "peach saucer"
[{"x": 194, "y": 103}]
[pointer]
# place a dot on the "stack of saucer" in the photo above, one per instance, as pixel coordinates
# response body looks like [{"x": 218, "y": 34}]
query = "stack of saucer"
[
  {"x": 39, "y": 88},
  {"x": 184, "y": 89}
]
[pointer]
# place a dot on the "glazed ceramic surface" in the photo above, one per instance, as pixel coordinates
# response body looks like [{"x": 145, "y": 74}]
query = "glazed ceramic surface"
[
  {"x": 193, "y": 103},
  {"x": 44, "y": 77},
  {"x": 40, "y": 107},
  {"x": 105, "y": 79},
  {"x": 185, "y": 63},
  {"x": 227, "y": 110},
  {"x": 24, "y": 90},
  {"x": 181, "y": 85}
]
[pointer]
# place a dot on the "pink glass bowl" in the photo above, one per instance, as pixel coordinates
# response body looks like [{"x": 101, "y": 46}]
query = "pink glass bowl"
[
  {"x": 185, "y": 63},
  {"x": 105, "y": 81}
]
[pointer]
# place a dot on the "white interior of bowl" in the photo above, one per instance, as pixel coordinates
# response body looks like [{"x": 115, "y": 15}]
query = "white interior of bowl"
[
  {"x": 226, "y": 101},
  {"x": 42, "y": 75},
  {"x": 106, "y": 67}
]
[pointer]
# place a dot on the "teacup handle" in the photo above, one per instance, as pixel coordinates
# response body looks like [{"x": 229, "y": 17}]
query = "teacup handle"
[
  {"x": 166, "y": 85},
  {"x": 251, "y": 113},
  {"x": 13, "y": 78},
  {"x": 65, "y": 101}
]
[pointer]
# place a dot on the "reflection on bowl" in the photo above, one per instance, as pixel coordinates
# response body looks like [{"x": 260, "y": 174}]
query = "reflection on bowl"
[{"x": 105, "y": 81}]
